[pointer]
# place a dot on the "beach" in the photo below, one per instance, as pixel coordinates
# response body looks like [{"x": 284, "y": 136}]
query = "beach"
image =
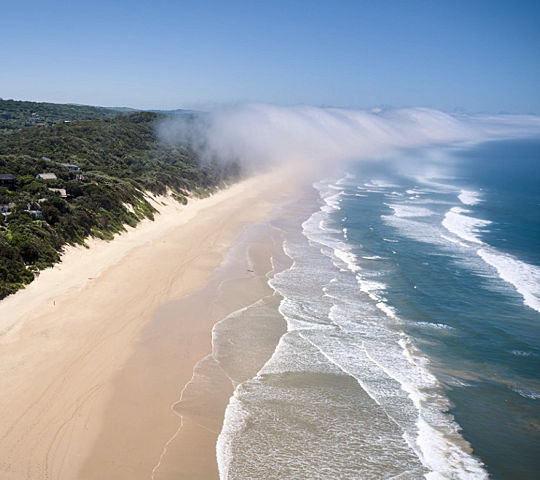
[{"x": 94, "y": 355}]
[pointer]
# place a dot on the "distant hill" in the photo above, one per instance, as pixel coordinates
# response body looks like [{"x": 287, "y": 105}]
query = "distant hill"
[
  {"x": 178, "y": 111},
  {"x": 66, "y": 181},
  {"x": 17, "y": 114}
]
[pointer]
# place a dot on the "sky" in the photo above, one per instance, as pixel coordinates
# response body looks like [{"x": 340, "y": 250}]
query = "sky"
[{"x": 464, "y": 56}]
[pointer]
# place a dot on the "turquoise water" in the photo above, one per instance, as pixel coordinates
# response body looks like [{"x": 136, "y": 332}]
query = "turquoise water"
[{"x": 413, "y": 314}]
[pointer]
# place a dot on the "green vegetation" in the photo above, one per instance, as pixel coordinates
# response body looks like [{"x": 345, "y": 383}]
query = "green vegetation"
[
  {"x": 16, "y": 114},
  {"x": 110, "y": 164}
]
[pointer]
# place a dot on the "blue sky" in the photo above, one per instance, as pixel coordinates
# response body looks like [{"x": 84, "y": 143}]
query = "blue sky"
[{"x": 478, "y": 56}]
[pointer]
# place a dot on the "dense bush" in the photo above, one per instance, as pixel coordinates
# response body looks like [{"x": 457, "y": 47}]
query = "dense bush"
[{"x": 119, "y": 158}]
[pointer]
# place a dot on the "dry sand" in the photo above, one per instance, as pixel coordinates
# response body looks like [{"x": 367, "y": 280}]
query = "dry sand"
[{"x": 70, "y": 406}]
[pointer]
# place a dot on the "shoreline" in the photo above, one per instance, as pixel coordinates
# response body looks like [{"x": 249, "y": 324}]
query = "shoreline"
[
  {"x": 186, "y": 386},
  {"x": 75, "y": 328}
]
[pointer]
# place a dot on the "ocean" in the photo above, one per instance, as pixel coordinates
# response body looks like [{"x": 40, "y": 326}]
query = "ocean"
[{"x": 412, "y": 308}]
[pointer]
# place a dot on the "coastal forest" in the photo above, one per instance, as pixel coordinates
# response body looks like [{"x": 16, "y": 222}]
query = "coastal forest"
[{"x": 79, "y": 172}]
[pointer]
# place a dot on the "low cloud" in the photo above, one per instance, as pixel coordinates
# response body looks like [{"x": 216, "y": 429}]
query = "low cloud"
[{"x": 262, "y": 134}]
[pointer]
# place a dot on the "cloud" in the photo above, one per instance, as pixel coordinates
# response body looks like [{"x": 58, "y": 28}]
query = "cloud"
[{"x": 262, "y": 134}]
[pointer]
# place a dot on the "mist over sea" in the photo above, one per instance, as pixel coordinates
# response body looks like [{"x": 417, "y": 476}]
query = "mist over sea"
[{"x": 413, "y": 326}]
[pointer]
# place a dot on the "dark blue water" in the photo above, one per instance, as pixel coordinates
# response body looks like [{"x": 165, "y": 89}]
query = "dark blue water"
[
  {"x": 509, "y": 174},
  {"x": 457, "y": 246}
]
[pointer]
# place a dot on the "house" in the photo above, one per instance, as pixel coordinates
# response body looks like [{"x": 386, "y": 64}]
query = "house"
[
  {"x": 34, "y": 210},
  {"x": 7, "y": 180},
  {"x": 75, "y": 168},
  {"x": 46, "y": 176},
  {"x": 5, "y": 208},
  {"x": 61, "y": 191}
]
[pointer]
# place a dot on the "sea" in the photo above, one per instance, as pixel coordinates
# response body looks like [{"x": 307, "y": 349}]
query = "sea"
[{"x": 412, "y": 309}]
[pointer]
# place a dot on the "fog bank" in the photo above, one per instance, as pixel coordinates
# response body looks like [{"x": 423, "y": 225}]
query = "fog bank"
[{"x": 262, "y": 134}]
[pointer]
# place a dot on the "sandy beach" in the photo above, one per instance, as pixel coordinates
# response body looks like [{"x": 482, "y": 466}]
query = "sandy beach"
[{"x": 94, "y": 357}]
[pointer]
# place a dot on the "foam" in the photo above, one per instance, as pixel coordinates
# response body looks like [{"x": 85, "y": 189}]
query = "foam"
[
  {"x": 469, "y": 197},
  {"x": 417, "y": 230},
  {"x": 387, "y": 310},
  {"x": 379, "y": 184},
  {"x": 349, "y": 258},
  {"x": 435, "y": 326},
  {"x": 463, "y": 226},
  {"x": 446, "y": 458},
  {"x": 527, "y": 394},
  {"x": 234, "y": 421},
  {"x": 333, "y": 201},
  {"x": 524, "y": 277},
  {"x": 323, "y": 225},
  {"x": 370, "y": 287},
  {"x": 521, "y": 353},
  {"x": 453, "y": 240},
  {"x": 404, "y": 211}
]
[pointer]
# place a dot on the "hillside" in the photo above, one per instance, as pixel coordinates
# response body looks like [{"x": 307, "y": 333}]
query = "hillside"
[
  {"x": 17, "y": 114},
  {"x": 96, "y": 173}
]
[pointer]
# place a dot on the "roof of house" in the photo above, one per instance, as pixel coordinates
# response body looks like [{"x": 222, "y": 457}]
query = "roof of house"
[
  {"x": 46, "y": 176},
  {"x": 61, "y": 191}
]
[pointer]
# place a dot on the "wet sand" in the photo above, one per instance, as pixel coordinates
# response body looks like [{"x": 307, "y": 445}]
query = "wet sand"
[{"x": 188, "y": 392}]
